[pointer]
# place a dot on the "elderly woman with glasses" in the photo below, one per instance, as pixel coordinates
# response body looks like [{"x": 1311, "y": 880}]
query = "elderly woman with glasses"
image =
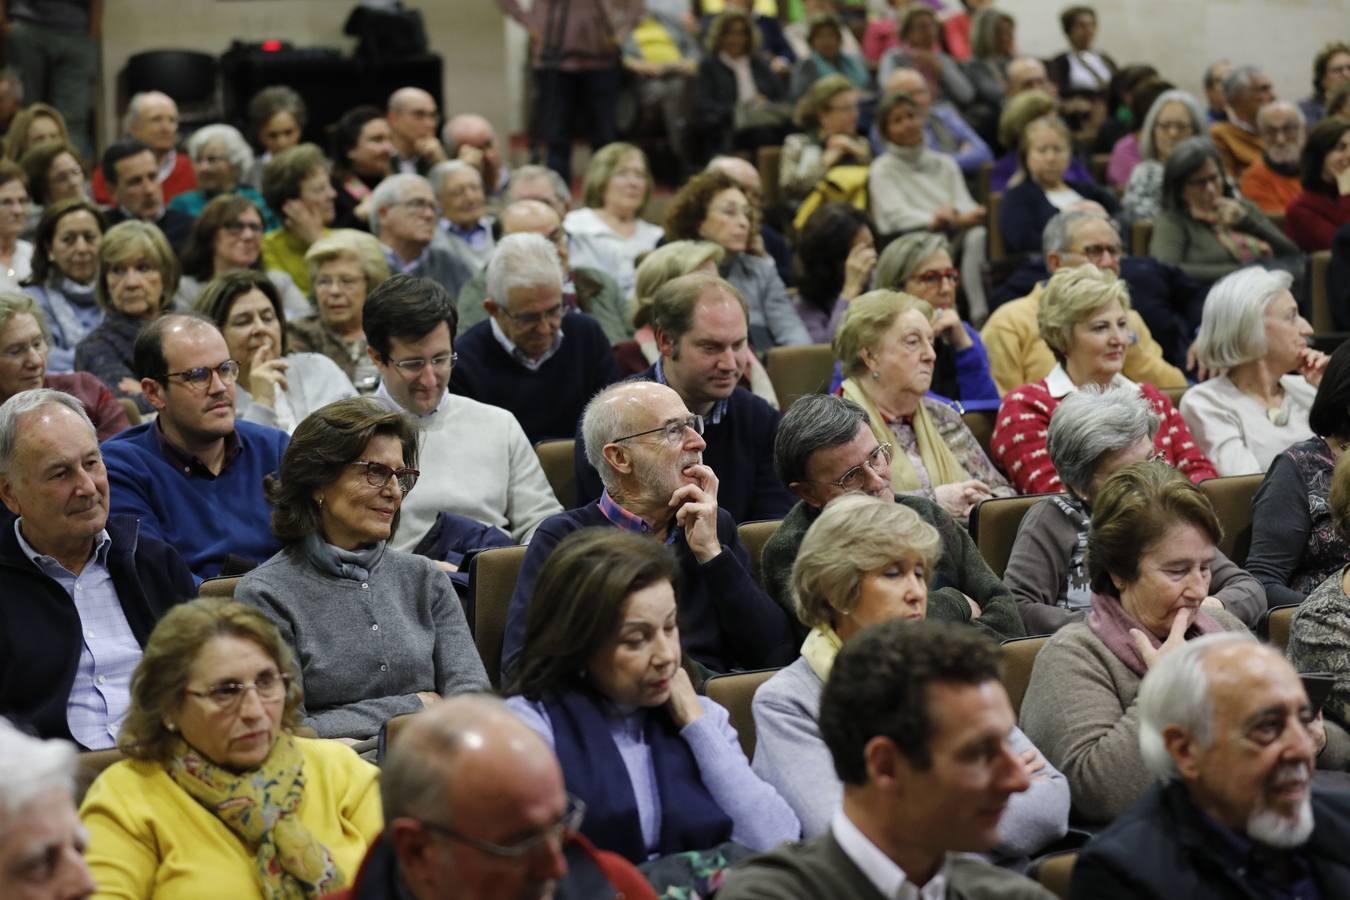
[
  {"x": 344, "y": 268},
  {"x": 1175, "y": 116},
  {"x": 1093, "y": 433},
  {"x": 865, "y": 561},
  {"x": 276, "y": 388},
  {"x": 221, "y": 158},
  {"x": 1082, "y": 319},
  {"x": 220, "y": 797},
  {"x": 885, "y": 349},
  {"x": 608, "y": 232},
  {"x": 827, "y": 113},
  {"x": 227, "y": 237},
  {"x": 602, "y": 677},
  {"x": 1252, "y": 332},
  {"x": 378, "y": 633}
]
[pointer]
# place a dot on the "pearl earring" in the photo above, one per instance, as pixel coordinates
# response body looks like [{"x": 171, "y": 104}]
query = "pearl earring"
[{"x": 876, "y": 376}]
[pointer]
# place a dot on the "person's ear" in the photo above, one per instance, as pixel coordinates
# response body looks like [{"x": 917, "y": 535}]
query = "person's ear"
[
  {"x": 154, "y": 393},
  {"x": 1186, "y": 752},
  {"x": 618, "y": 459},
  {"x": 665, "y": 344},
  {"x": 1053, "y": 260},
  {"x": 886, "y": 766},
  {"x": 806, "y": 492},
  {"x": 8, "y": 497},
  {"x": 411, "y": 844}
]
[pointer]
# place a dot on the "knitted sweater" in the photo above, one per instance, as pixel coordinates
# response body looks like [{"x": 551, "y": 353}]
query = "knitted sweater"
[
  {"x": 1268, "y": 189},
  {"x": 282, "y": 251},
  {"x": 105, "y": 353},
  {"x": 477, "y": 462},
  {"x": 1080, "y": 710},
  {"x": 1194, "y": 247},
  {"x": 726, "y": 620},
  {"x": 366, "y": 647},
  {"x": 1039, "y": 567},
  {"x": 907, "y": 185},
  {"x": 597, "y": 295},
  {"x": 960, "y": 571},
  {"x": 791, "y": 755},
  {"x": 204, "y": 519},
  {"x": 547, "y": 401},
  {"x": 1019, "y": 441}
]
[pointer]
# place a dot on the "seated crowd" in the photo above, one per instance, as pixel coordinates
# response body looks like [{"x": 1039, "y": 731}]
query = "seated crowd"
[{"x": 275, "y": 418}]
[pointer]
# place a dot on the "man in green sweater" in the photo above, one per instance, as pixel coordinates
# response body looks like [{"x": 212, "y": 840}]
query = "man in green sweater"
[{"x": 825, "y": 447}]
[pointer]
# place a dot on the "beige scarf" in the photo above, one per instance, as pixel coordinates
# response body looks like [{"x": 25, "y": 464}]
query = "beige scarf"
[
  {"x": 820, "y": 648},
  {"x": 938, "y": 459}
]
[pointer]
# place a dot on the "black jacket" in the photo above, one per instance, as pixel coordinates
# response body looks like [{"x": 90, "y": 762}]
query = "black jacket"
[
  {"x": 715, "y": 91},
  {"x": 1161, "y": 848},
  {"x": 40, "y": 627}
]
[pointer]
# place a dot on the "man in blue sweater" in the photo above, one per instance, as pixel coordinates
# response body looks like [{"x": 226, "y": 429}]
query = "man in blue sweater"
[
  {"x": 649, "y": 449},
  {"x": 701, "y": 328},
  {"x": 528, "y": 357},
  {"x": 194, "y": 476}
]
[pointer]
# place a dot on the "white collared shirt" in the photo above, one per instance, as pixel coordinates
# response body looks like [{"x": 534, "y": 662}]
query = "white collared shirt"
[
  {"x": 887, "y": 877},
  {"x": 382, "y": 394},
  {"x": 515, "y": 353},
  {"x": 1060, "y": 385}
]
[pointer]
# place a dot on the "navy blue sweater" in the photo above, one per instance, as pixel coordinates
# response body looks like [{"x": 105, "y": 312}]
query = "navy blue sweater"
[
  {"x": 206, "y": 519},
  {"x": 726, "y": 620},
  {"x": 740, "y": 453},
  {"x": 1025, "y": 210},
  {"x": 548, "y": 401},
  {"x": 40, "y": 627}
]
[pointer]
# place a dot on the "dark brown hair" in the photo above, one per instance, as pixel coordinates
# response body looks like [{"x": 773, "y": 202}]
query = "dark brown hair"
[
  {"x": 689, "y": 207},
  {"x": 37, "y": 161},
  {"x": 220, "y": 293},
  {"x": 325, "y": 443},
  {"x": 46, "y": 235},
  {"x": 283, "y": 176},
  {"x": 199, "y": 257}
]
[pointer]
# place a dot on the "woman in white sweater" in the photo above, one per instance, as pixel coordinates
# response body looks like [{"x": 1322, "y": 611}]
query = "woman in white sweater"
[
  {"x": 1251, "y": 328},
  {"x": 913, "y": 188}
]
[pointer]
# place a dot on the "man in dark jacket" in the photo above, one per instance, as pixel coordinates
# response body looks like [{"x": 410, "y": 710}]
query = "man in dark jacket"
[
  {"x": 1226, "y": 726},
  {"x": 82, "y": 590}
]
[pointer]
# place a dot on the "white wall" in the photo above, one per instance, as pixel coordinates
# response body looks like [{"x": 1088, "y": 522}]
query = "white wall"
[{"x": 483, "y": 55}]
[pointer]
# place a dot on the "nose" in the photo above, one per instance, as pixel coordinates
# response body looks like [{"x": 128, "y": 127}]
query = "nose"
[
  {"x": 693, "y": 441},
  {"x": 928, "y": 354},
  {"x": 549, "y": 864},
  {"x": 916, "y": 589},
  {"x": 426, "y": 378},
  {"x": 667, "y": 650},
  {"x": 76, "y": 881},
  {"x": 1015, "y": 778},
  {"x": 1304, "y": 328},
  {"x": 251, "y": 705}
]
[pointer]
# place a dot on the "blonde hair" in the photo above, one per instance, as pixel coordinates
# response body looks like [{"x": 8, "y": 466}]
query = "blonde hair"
[
  {"x": 14, "y": 303},
  {"x": 817, "y": 98},
  {"x": 603, "y": 165},
  {"x": 667, "y": 262},
  {"x": 854, "y": 535},
  {"x": 348, "y": 243},
  {"x": 132, "y": 240},
  {"x": 1072, "y": 295},
  {"x": 869, "y": 318}
]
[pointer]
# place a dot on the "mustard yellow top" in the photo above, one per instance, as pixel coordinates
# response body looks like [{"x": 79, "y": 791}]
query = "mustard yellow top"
[
  {"x": 284, "y": 252},
  {"x": 148, "y": 838},
  {"x": 1018, "y": 356}
]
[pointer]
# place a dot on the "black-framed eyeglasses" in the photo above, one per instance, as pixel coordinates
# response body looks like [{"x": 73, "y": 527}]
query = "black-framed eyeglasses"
[
  {"x": 855, "y": 479},
  {"x": 414, "y": 367},
  {"x": 552, "y": 314},
  {"x": 226, "y": 696},
  {"x": 200, "y": 377},
  {"x": 672, "y": 430},
  {"x": 555, "y": 833},
  {"x": 378, "y": 475}
]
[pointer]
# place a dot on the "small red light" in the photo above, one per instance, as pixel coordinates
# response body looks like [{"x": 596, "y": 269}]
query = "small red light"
[{"x": 271, "y": 46}]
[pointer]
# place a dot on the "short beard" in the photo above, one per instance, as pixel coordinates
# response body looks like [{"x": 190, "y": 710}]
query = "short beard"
[
  {"x": 1285, "y": 156},
  {"x": 1265, "y": 826}
]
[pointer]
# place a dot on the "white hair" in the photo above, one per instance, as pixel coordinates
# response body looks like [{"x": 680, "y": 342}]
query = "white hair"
[
  {"x": 525, "y": 173},
  {"x": 1092, "y": 422},
  {"x": 389, "y": 192},
  {"x": 601, "y": 423},
  {"x": 1176, "y": 692},
  {"x": 236, "y": 148},
  {"x": 136, "y": 102},
  {"x": 32, "y": 767},
  {"x": 439, "y": 172},
  {"x": 20, "y": 405},
  {"x": 1232, "y": 326},
  {"x": 1281, "y": 106},
  {"x": 522, "y": 260},
  {"x": 1199, "y": 121}
]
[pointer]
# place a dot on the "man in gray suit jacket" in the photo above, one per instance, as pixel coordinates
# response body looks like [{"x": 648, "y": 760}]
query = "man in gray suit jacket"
[{"x": 917, "y": 723}]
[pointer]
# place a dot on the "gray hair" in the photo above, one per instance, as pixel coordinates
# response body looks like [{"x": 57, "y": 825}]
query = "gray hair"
[
  {"x": 1199, "y": 121},
  {"x": 1091, "y": 422},
  {"x": 438, "y": 173},
  {"x": 32, "y": 767},
  {"x": 389, "y": 192},
  {"x": 14, "y": 303},
  {"x": 902, "y": 257},
  {"x": 1239, "y": 81},
  {"x": 522, "y": 260},
  {"x": 20, "y": 405},
  {"x": 134, "y": 107},
  {"x": 1176, "y": 692},
  {"x": 1282, "y": 106},
  {"x": 560, "y": 188},
  {"x": 813, "y": 423},
  {"x": 601, "y": 423},
  {"x": 1232, "y": 327},
  {"x": 236, "y": 148},
  {"x": 1057, "y": 235}
]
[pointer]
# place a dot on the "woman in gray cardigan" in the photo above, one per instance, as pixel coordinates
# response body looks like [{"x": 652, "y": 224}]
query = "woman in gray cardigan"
[
  {"x": 377, "y": 633},
  {"x": 1092, "y": 434},
  {"x": 862, "y": 562},
  {"x": 1207, "y": 232}
]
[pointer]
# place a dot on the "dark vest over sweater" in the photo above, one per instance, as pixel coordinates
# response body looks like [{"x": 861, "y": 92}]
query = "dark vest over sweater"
[
  {"x": 548, "y": 401},
  {"x": 740, "y": 453},
  {"x": 40, "y": 626}
]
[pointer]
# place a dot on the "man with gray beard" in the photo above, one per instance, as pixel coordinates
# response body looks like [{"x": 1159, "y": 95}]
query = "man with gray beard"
[
  {"x": 1272, "y": 182},
  {"x": 1226, "y": 726}
]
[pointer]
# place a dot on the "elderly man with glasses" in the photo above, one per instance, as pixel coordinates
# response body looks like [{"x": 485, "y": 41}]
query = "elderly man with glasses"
[
  {"x": 1272, "y": 182},
  {"x": 476, "y": 461},
  {"x": 648, "y": 449},
  {"x": 825, "y": 448},
  {"x": 528, "y": 358},
  {"x": 194, "y": 476},
  {"x": 474, "y": 806},
  {"x": 404, "y": 216},
  {"x": 83, "y": 589}
]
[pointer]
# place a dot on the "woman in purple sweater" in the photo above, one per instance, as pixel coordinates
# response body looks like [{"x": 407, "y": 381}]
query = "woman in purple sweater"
[{"x": 602, "y": 680}]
